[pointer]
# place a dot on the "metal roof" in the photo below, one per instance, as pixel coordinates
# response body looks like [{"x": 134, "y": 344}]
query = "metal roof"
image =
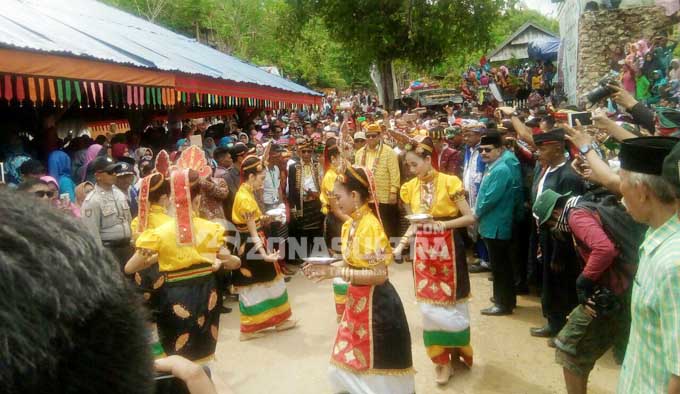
[
  {"x": 517, "y": 33},
  {"x": 91, "y": 29}
]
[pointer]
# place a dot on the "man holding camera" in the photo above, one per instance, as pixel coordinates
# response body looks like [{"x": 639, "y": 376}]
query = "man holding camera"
[{"x": 602, "y": 317}]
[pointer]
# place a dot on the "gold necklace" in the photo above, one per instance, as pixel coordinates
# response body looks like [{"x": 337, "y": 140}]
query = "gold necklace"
[{"x": 428, "y": 192}]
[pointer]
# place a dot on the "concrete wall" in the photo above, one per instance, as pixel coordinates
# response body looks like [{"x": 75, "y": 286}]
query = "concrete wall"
[
  {"x": 601, "y": 31},
  {"x": 568, "y": 16}
]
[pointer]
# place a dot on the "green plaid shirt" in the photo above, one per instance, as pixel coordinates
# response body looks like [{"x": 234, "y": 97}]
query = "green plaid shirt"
[{"x": 653, "y": 352}]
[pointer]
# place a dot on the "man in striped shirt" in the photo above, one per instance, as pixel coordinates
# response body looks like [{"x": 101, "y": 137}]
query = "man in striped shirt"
[{"x": 652, "y": 362}]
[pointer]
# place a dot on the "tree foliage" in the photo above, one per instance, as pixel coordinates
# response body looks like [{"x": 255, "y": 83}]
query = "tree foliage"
[
  {"x": 332, "y": 43},
  {"x": 420, "y": 31},
  {"x": 264, "y": 32}
]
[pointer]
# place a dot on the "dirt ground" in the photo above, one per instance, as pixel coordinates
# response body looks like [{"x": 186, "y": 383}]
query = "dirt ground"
[{"x": 506, "y": 360}]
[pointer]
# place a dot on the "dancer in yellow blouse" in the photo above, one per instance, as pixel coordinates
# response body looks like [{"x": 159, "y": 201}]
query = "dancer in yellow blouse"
[
  {"x": 372, "y": 350},
  {"x": 263, "y": 298},
  {"x": 440, "y": 271},
  {"x": 154, "y": 197},
  {"x": 334, "y": 219},
  {"x": 187, "y": 249}
]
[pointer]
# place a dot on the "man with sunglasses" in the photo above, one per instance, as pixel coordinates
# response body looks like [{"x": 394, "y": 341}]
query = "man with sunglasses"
[
  {"x": 38, "y": 189},
  {"x": 495, "y": 209},
  {"x": 304, "y": 186},
  {"x": 106, "y": 211},
  {"x": 560, "y": 269}
]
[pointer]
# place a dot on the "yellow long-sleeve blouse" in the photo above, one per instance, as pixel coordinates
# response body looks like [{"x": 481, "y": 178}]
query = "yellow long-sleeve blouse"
[
  {"x": 327, "y": 186},
  {"x": 209, "y": 238},
  {"x": 245, "y": 205},
  {"x": 364, "y": 240},
  {"x": 157, "y": 217},
  {"x": 437, "y": 198}
]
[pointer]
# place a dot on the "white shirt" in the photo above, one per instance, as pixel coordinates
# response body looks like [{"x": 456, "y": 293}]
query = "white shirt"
[
  {"x": 542, "y": 181},
  {"x": 272, "y": 182},
  {"x": 308, "y": 183}
]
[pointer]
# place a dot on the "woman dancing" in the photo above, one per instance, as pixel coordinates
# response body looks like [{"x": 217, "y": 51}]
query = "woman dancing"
[
  {"x": 440, "y": 271},
  {"x": 188, "y": 250},
  {"x": 263, "y": 298},
  {"x": 372, "y": 350}
]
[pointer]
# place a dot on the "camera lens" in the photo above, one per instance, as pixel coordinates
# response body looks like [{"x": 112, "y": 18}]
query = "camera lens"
[{"x": 598, "y": 94}]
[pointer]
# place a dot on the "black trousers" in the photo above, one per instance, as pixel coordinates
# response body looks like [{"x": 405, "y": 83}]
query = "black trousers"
[
  {"x": 558, "y": 295},
  {"x": 122, "y": 250},
  {"x": 389, "y": 213},
  {"x": 521, "y": 233},
  {"x": 501, "y": 259}
]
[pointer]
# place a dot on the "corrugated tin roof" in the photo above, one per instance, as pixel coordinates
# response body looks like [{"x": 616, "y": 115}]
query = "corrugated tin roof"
[
  {"x": 518, "y": 32},
  {"x": 91, "y": 29}
]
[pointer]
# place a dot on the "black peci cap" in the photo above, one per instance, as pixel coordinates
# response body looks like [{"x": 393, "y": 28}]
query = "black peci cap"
[
  {"x": 552, "y": 136},
  {"x": 646, "y": 155},
  {"x": 491, "y": 138}
]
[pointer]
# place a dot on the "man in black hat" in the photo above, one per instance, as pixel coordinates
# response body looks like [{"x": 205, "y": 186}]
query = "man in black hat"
[
  {"x": 494, "y": 210},
  {"x": 607, "y": 240},
  {"x": 304, "y": 186},
  {"x": 649, "y": 186},
  {"x": 559, "y": 268},
  {"x": 106, "y": 211}
]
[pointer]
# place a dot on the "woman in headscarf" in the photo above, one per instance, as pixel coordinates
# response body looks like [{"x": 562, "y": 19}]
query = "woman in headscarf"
[
  {"x": 91, "y": 154},
  {"x": 674, "y": 72},
  {"x": 119, "y": 151},
  {"x": 82, "y": 191},
  {"x": 226, "y": 142},
  {"x": 143, "y": 154},
  {"x": 209, "y": 147},
  {"x": 59, "y": 168},
  {"x": 79, "y": 146},
  {"x": 182, "y": 144},
  {"x": 630, "y": 69},
  {"x": 55, "y": 200},
  {"x": 372, "y": 350},
  {"x": 243, "y": 137}
]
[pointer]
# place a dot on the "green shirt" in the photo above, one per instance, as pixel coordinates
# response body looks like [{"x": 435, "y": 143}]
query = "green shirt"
[{"x": 653, "y": 352}]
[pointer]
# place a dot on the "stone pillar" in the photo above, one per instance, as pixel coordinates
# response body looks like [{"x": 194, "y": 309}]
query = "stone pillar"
[{"x": 601, "y": 31}]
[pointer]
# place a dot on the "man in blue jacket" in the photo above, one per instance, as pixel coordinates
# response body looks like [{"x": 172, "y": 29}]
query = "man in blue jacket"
[{"x": 495, "y": 209}]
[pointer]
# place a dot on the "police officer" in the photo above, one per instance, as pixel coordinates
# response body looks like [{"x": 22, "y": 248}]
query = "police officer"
[{"x": 106, "y": 212}]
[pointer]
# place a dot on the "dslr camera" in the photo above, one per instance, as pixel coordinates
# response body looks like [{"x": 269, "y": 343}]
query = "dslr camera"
[{"x": 603, "y": 90}]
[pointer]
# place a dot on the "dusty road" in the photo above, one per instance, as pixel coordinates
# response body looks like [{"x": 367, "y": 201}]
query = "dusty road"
[{"x": 507, "y": 359}]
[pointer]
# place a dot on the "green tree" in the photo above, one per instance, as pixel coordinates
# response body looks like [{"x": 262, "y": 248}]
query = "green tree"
[
  {"x": 264, "y": 32},
  {"x": 421, "y": 32}
]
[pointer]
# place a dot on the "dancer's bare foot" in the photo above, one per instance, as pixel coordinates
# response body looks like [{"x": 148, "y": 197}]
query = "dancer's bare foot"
[
  {"x": 286, "y": 325},
  {"x": 443, "y": 373}
]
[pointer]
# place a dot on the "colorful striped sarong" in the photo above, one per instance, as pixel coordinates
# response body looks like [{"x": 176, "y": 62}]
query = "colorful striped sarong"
[
  {"x": 340, "y": 295},
  {"x": 263, "y": 305},
  {"x": 446, "y": 330}
]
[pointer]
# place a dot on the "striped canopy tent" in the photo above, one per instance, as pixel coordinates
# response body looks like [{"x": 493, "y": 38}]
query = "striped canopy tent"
[{"x": 82, "y": 52}]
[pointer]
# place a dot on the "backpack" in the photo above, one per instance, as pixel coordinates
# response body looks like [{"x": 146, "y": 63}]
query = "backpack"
[{"x": 626, "y": 233}]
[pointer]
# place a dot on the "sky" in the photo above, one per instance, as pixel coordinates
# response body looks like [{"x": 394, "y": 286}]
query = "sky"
[{"x": 546, "y": 7}]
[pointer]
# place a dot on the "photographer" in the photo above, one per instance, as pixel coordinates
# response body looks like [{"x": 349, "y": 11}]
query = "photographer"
[{"x": 606, "y": 239}]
